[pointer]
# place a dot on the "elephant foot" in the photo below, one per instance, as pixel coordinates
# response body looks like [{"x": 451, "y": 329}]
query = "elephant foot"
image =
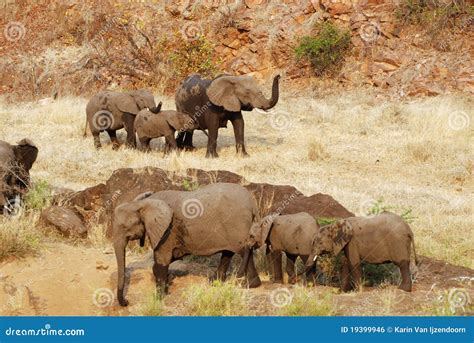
[
  {"x": 212, "y": 154},
  {"x": 406, "y": 288},
  {"x": 292, "y": 280},
  {"x": 278, "y": 280},
  {"x": 254, "y": 282},
  {"x": 123, "y": 302},
  {"x": 189, "y": 148}
]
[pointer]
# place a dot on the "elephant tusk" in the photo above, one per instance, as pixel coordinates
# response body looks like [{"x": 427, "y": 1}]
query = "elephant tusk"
[{"x": 315, "y": 258}]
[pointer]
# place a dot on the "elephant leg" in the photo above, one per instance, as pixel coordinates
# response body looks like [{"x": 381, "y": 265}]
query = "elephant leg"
[
  {"x": 129, "y": 124},
  {"x": 145, "y": 143},
  {"x": 113, "y": 139},
  {"x": 238, "y": 125},
  {"x": 311, "y": 275},
  {"x": 171, "y": 144},
  {"x": 252, "y": 275},
  {"x": 161, "y": 276},
  {"x": 290, "y": 268},
  {"x": 221, "y": 274},
  {"x": 277, "y": 266},
  {"x": 213, "y": 128},
  {"x": 406, "y": 277},
  {"x": 353, "y": 259},
  {"x": 188, "y": 141},
  {"x": 345, "y": 276},
  {"x": 96, "y": 136}
]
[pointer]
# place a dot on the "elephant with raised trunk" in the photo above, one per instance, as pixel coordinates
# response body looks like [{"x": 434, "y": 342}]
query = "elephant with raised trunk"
[
  {"x": 292, "y": 234},
  {"x": 380, "y": 239},
  {"x": 213, "y": 219},
  {"x": 212, "y": 103},
  {"x": 109, "y": 111},
  {"x": 15, "y": 164}
]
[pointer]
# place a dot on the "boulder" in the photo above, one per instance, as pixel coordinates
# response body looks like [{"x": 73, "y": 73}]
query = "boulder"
[{"x": 65, "y": 220}]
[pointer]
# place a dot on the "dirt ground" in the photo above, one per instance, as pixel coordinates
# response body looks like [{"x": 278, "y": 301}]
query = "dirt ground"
[{"x": 64, "y": 281}]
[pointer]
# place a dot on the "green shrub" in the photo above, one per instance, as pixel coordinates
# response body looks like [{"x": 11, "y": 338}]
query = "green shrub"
[
  {"x": 154, "y": 306},
  {"x": 327, "y": 49},
  {"x": 322, "y": 221},
  {"x": 190, "y": 185},
  {"x": 18, "y": 236},
  {"x": 306, "y": 301},
  {"x": 216, "y": 299},
  {"x": 193, "y": 56},
  {"x": 379, "y": 206},
  {"x": 39, "y": 196}
]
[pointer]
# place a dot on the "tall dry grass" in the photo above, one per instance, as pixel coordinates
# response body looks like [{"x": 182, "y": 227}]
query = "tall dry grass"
[{"x": 356, "y": 147}]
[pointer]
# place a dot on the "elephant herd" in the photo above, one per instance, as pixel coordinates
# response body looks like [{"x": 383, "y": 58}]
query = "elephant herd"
[
  {"x": 221, "y": 217},
  {"x": 224, "y": 218},
  {"x": 201, "y": 104}
]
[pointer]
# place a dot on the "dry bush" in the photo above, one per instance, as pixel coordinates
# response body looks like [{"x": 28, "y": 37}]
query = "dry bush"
[
  {"x": 19, "y": 236},
  {"x": 317, "y": 151}
]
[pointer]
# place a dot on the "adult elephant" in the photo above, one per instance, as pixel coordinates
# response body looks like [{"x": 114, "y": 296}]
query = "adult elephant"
[
  {"x": 213, "y": 219},
  {"x": 111, "y": 111},
  {"x": 212, "y": 103},
  {"x": 15, "y": 164}
]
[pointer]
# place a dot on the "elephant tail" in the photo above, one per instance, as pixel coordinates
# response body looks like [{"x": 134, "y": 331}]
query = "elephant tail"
[
  {"x": 414, "y": 251},
  {"x": 85, "y": 128}
]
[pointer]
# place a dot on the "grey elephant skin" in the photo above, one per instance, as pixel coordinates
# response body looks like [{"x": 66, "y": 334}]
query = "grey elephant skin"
[
  {"x": 109, "y": 111},
  {"x": 380, "y": 239},
  {"x": 216, "y": 218},
  {"x": 15, "y": 163},
  {"x": 212, "y": 103},
  {"x": 292, "y": 234},
  {"x": 149, "y": 125}
]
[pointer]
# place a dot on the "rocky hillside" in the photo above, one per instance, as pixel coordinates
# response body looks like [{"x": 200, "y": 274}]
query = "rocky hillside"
[{"x": 398, "y": 47}]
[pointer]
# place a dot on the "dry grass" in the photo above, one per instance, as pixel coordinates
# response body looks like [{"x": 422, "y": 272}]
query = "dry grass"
[
  {"x": 18, "y": 236},
  {"x": 366, "y": 148}
]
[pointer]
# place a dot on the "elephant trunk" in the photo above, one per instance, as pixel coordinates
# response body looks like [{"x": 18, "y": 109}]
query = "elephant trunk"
[
  {"x": 310, "y": 262},
  {"x": 156, "y": 109},
  {"x": 119, "y": 247},
  {"x": 275, "y": 94}
]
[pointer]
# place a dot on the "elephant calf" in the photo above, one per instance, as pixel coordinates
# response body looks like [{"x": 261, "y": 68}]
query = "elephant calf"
[
  {"x": 149, "y": 125},
  {"x": 15, "y": 164},
  {"x": 292, "y": 234},
  {"x": 380, "y": 239}
]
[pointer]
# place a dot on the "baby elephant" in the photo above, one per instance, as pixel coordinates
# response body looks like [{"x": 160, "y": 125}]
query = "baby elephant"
[
  {"x": 380, "y": 239},
  {"x": 149, "y": 125},
  {"x": 292, "y": 234}
]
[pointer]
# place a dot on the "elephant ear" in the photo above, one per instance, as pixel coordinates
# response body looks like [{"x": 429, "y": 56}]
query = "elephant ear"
[
  {"x": 25, "y": 154},
  {"x": 157, "y": 217},
  {"x": 341, "y": 235},
  {"x": 143, "y": 99},
  {"x": 259, "y": 232},
  {"x": 221, "y": 92},
  {"x": 126, "y": 103}
]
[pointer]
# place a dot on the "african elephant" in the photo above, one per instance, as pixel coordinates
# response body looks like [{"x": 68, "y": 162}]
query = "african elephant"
[
  {"x": 15, "y": 164},
  {"x": 380, "y": 239},
  {"x": 149, "y": 125},
  {"x": 111, "y": 111},
  {"x": 292, "y": 234},
  {"x": 214, "y": 102},
  {"x": 215, "y": 218}
]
